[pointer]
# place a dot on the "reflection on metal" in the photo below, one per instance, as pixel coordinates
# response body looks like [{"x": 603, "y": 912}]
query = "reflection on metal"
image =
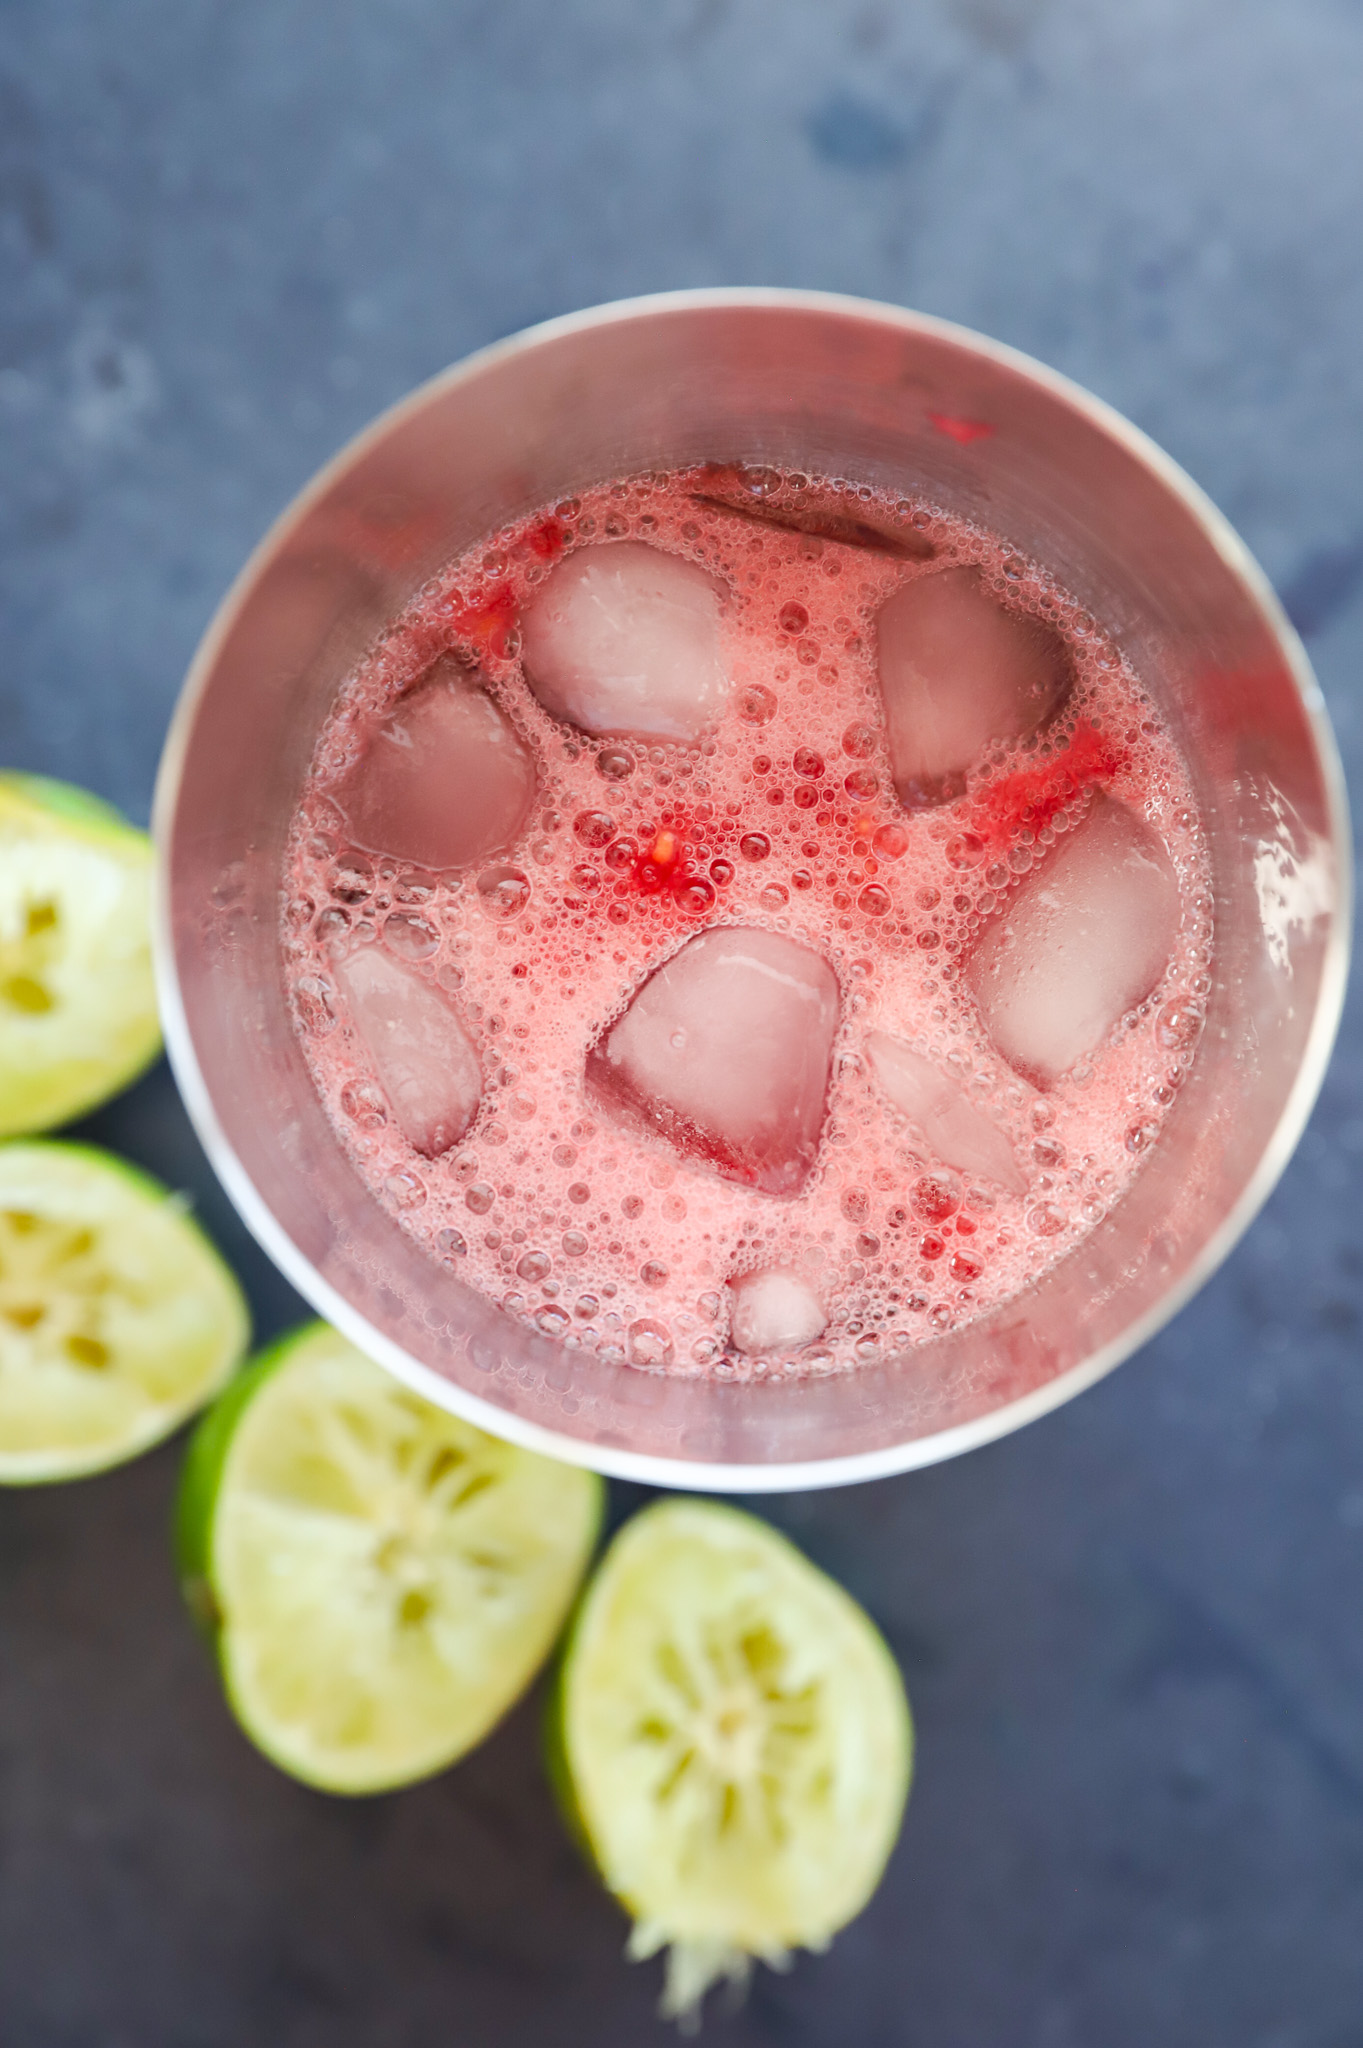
[{"x": 1294, "y": 880}]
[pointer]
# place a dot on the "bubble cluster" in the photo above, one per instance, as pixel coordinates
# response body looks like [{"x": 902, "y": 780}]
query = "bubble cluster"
[{"x": 785, "y": 817}]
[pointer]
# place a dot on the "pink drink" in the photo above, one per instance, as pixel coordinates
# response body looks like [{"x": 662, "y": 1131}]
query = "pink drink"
[{"x": 743, "y": 925}]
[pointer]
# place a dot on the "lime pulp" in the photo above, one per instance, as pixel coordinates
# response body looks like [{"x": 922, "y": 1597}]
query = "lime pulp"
[
  {"x": 382, "y": 1580},
  {"x": 732, "y": 1738},
  {"x": 77, "y": 1002},
  {"x": 117, "y": 1317}
]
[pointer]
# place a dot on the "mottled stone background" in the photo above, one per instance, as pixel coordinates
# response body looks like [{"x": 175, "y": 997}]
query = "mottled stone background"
[{"x": 229, "y": 234}]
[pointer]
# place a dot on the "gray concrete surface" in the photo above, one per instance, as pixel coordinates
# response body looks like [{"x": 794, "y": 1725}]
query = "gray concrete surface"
[{"x": 1134, "y": 1633}]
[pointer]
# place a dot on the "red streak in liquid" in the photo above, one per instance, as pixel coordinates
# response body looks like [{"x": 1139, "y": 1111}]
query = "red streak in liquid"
[
  {"x": 1032, "y": 797},
  {"x": 667, "y": 865},
  {"x": 546, "y": 539},
  {"x": 491, "y": 625}
]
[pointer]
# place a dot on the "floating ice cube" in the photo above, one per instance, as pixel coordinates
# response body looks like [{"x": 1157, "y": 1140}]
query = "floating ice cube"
[
  {"x": 957, "y": 1133},
  {"x": 956, "y": 671},
  {"x": 773, "y": 1311},
  {"x": 444, "y": 782},
  {"x": 423, "y": 1058},
  {"x": 725, "y": 1051},
  {"x": 1087, "y": 936},
  {"x": 763, "y": 495},
  {"x": 624, "y": 639}
]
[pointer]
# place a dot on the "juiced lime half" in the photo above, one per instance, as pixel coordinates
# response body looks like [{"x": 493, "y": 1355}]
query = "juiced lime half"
[
  {"x": 77, "y": 1002},
  {"x": 382, "y": 1579},
  {"x": 731, "y": 1735},
  {"x": 117, "y": 1317}
]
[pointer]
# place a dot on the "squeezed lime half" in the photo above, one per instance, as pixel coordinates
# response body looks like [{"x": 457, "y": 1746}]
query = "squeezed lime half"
[
  {"x": 731, "y": 1735},
  {"x": 117, "y": 1317},
  {"x": 382, "y": 1580},
  {"x": 77, "y": 1001}
]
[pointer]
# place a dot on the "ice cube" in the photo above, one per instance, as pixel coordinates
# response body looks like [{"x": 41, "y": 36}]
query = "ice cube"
[
  {"x": 725, "y": 1051},
  {"x": 1088, "y": 935},
  {"x": 773, "y": 1311},
  {"x": 957, "y": 670},
  {"x": 423, "y": 1058},
  {"x": 957, "y": 1133},
  {"x": 764, "y": 496},
  {"x": 624, "y": 639},
  {"x": 445, "y": 781}
]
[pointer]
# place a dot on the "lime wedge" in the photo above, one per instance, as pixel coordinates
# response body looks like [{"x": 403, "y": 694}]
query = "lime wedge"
[
  {"x": 117, "y": 1317},
  {"x": 733, "y": 1740},
  {"x": 382, "y": 1579},
  {"x": 77, "y": 1003}
]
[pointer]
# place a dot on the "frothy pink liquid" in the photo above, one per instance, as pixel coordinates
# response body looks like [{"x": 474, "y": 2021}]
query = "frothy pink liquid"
[{"x": 785, "y": 817}]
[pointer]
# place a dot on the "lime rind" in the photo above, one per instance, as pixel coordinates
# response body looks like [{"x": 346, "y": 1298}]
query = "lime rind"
[
  {"x": 200, "y": 1476},
  {"x": 732, "y": 1739},
  {"x": 381, "y": 1580},
  {"x": 78, "y": 1018},
  {"x": 118, "y": 1318},
  {"x": 66, "y": 800}
]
